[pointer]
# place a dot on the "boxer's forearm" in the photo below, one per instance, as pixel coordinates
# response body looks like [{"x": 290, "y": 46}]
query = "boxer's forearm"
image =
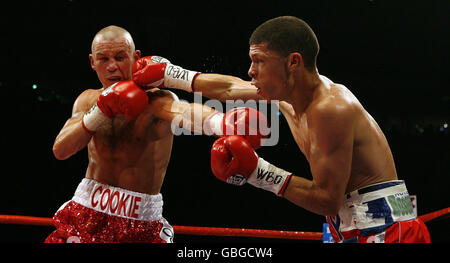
[
  {"x": 306, "y": 194},
  {"x": 224, "y": 87},
  {"x": 71, "y": 139},
  {"x": 190, "y": 116},
  {"x": 198, "y": 113}
]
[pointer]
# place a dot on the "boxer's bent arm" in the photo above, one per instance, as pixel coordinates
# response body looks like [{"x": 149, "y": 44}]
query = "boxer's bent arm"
[
  {"x": 330, "y": 162},
  {"x": 73, "y": 137},
  {"x": 224, "y": 87}
]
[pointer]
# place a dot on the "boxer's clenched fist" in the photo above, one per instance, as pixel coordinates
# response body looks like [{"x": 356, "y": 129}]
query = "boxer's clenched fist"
[
  {"x": 247, "y": 122},
  {"x": 158, "y": 72},
  {"x": 234, "y": 161},
  {"x": 123, "y": 97}
]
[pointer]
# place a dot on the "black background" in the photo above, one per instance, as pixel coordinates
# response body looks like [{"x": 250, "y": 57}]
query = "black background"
[{"x": 393, "y": 55}]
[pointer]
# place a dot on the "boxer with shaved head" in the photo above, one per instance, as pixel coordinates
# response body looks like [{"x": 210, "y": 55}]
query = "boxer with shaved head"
[{"x": 128, "y": 134}]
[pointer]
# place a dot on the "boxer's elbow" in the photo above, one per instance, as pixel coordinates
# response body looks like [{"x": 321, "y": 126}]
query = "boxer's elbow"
[
  {"x": 67, "y": 144},
  {"x": 331, "y": 206},
  {"x": 331, "y": 210},
  {"x": 62, "y": 150},
  {"x": 318, "y": 203},
  {"x": 59, "y": 152}
]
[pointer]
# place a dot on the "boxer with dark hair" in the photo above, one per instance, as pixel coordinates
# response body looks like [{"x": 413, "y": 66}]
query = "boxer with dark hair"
[{"x": 354, "y": 179}]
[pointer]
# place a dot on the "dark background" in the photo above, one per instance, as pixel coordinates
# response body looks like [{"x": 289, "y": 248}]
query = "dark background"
[{"x": 393, "y": 55}]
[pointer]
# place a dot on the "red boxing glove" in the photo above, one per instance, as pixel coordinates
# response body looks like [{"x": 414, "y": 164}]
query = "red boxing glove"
[
  {"x": 234, "y": 161},
  {"x": 247, "y": 122},
  {"x": 149, "y": 71},
  {"x": 158, "y": 72},
  {"x": 123, "y": 97}
]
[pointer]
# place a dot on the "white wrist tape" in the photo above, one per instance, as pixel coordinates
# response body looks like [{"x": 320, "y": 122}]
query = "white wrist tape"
[
  {"x": 213, "y": 124},
  {"x": 176, "y": 77},
  {"x": 269, "y": 177},
  {"x": 93, "y": 119}
]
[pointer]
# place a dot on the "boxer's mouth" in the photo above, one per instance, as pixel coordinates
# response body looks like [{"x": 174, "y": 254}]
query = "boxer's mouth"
[
  {"x": 258, "y": 89},
  {"x": 114, "y": 79}
]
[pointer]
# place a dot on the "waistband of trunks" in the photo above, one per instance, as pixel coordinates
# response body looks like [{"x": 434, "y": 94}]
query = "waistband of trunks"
[
  {"x": 377, "y": 190},
  {"x": 375, "y": 207},
  {"x": 119, "y": 202}
]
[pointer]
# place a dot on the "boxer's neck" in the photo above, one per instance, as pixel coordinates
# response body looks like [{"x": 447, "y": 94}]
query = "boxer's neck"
[{"x": 304, "y": 90}]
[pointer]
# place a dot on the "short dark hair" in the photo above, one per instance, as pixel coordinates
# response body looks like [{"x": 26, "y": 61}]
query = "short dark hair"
[{"x": 287, "y": 34}]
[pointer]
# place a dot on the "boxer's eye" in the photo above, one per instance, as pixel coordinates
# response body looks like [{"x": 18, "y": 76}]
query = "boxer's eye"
[{"x": 257, "y": 60}]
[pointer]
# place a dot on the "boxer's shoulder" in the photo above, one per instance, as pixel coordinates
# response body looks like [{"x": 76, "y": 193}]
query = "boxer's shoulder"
[
  {"x": 331, "y": 115},
  {"x": 86, "y": 99},
  {"x": 329, "y": 107},
  {"x": 89, "y": 93},
  {"x": 159, "y": 99}
]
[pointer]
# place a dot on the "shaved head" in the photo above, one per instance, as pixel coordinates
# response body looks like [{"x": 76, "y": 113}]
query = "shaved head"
[
  {"x": 113, "y": 54},
  {"x": 113, "y": 34}
]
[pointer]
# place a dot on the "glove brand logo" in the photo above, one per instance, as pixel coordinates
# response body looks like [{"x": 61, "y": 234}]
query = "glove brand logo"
[
  {"x": 158, "y": 59},
  {"x": 236, "y": 179}
]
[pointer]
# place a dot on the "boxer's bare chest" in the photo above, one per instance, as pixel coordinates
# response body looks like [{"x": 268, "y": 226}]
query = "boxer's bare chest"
[
  {"x": 122, "y": 142},
  {"x": 126, "y": 141},
  {"x": 299, "y": 129}
]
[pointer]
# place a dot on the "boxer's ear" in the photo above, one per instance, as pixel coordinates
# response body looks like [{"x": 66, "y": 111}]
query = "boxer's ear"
[
  {"x": 137, "y": 55},
  {"x": 295, "y": 61},
  {"x": 91, "y": 59}
]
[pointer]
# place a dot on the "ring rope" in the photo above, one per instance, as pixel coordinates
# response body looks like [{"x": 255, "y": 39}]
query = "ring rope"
[
  {"x": 185, "y": 230},
  {"x": 245, "y": 232},
  {"x": 213, "y": 231},
  {"x": 433, "y": 215}
]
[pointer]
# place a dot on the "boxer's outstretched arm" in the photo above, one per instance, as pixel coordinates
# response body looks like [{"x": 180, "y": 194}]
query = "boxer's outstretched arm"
[
  {"x": 73, "y": 137},
  {"x": 166, "y": 106},
  {"x": 331, "y": 132},
  {"x": 224, "y": 87},
  {"x": 158, "y": 72},
  {"x": 247, "y": 122}
]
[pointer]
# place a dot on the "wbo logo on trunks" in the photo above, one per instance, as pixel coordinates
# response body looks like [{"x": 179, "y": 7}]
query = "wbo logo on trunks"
[{"x": 115, "y": 202}]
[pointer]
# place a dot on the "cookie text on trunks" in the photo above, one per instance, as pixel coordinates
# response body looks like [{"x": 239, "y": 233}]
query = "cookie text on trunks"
[{"x": 116, "y": 202}]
